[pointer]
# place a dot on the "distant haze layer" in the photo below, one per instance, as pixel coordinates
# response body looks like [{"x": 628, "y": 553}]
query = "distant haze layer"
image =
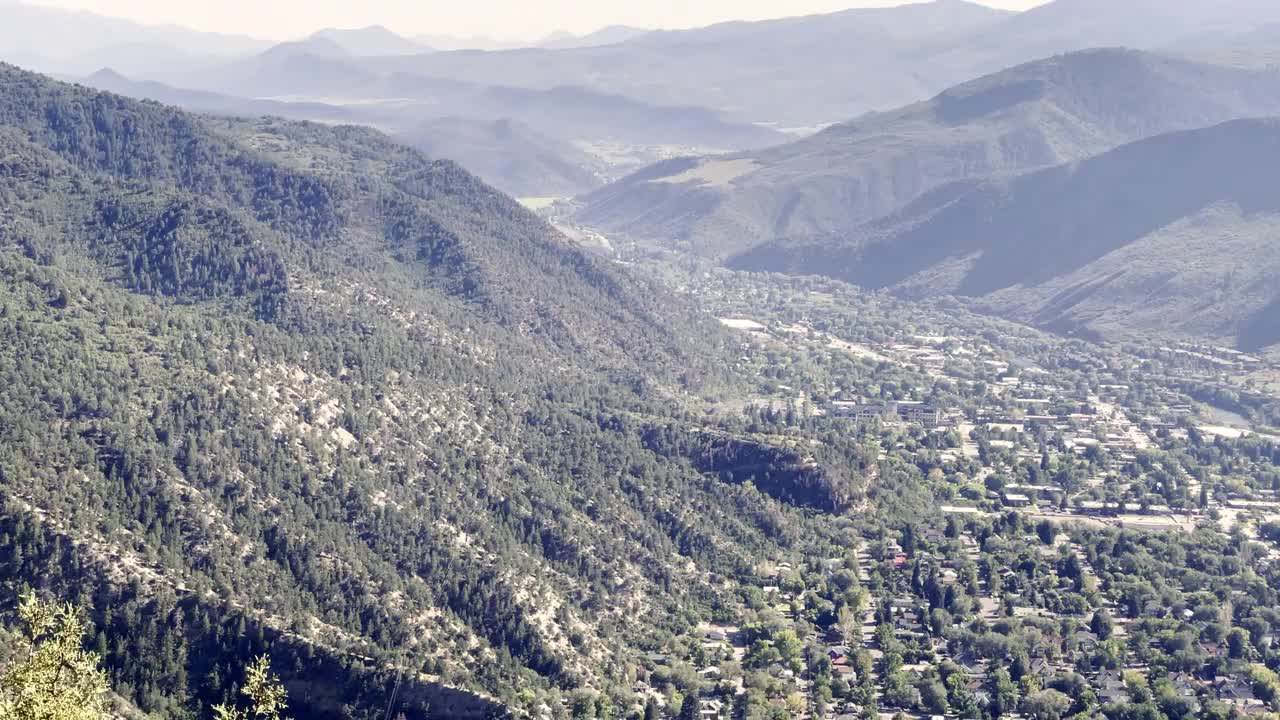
[{"x": 283, "y": 19}]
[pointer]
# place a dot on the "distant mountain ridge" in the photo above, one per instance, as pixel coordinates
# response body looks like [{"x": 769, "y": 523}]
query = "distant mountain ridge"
[
  {"x": 315, "y": 46},
  {"x": 816, "y": 67},
  {"x": 109, "y": 80},
  {"x": 1068, "y": 25},
  {"x": 806, "y": 62},
  {"x": 520, "y": 160},
  {"x": 1176, "y": 234},
  {"x": 610, "y": 35},
  {"x": 1032, "y": 116},
  {"x": 529, "y": 143},
  {"x": 1254, "y": 47},
  {"x": 77, "y": 42},
  {"x": 371, "y": 41}
]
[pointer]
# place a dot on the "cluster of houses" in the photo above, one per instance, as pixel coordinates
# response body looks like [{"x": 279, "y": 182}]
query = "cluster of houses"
[
  {"x": 1110, "y": 687},
  {"x": 1065, "y": 652},
  {"x": 1031, "y": 413}
]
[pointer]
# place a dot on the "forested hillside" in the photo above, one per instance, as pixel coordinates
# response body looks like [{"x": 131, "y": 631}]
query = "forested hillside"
[{"x": 281, "y": 387}]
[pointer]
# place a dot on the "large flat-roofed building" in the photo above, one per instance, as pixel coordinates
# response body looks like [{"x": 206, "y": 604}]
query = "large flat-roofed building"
[
  {"x": 864, "y": 412},
  {"x": 920, "y": 413},
  {"x": 912, "y": 412}
]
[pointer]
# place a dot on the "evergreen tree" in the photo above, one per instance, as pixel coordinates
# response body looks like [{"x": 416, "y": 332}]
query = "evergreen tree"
[
  {"x": 689, "y": 708},
  {"x": 267, "y": 696},
  {"x": 51, "y": 676}
]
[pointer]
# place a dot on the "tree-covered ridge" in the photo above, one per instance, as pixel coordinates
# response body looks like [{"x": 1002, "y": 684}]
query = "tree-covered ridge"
[
  {"x": 351, "y": 194},
  {"x": 140, "y": 142},
  {"x": 350, "y": 403},
  {"x": 194, "y": 251}
]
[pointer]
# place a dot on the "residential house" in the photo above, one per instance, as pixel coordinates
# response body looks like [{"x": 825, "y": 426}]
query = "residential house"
[
  {"x": 1016, "y": 500},
  {"x": 1111, "y": 688},
  {"x": 1084, "y": 641},
  {"x": 1236, "y": 692},
  {"x": 1186, "y": 687}
]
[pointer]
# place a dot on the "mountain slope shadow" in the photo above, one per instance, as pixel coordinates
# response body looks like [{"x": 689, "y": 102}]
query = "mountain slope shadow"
[
  {"x": 1262, "y": 329},
  {"x": 1048, "y": 224}
]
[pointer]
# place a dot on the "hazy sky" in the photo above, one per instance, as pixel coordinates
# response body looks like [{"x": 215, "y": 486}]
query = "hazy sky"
[{"x": 284, "y": 19}]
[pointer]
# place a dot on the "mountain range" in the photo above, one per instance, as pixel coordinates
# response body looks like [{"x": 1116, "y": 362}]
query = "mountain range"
[
  {"x": 529, "y": 143},
  {"x": 1175, "y": 234},
  {"x": 817, "y": 67},
  {"x": 1032, "y": 116},
  {"x": 723, "y": 66},
  {"x": 627, "y": 96}
]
